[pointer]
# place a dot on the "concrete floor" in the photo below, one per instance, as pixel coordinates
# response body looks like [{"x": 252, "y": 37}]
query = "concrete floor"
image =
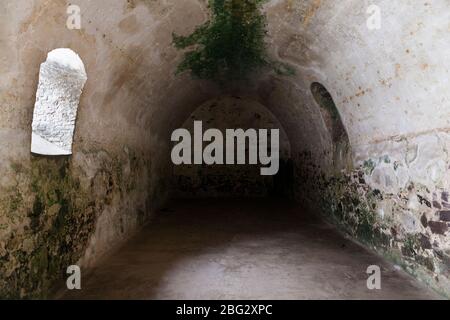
[{"x": 241, "y": 250}]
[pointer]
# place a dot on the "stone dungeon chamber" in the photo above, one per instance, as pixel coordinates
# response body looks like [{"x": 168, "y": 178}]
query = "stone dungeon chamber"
[{"x": 364, "y": 144}]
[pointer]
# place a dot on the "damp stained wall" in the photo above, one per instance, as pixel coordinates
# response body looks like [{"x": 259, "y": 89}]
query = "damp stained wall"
[{"x": 390, "y": 87}]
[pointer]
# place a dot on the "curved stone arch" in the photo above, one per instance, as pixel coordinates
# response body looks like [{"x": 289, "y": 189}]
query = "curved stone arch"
[
  {"x": 61, "y": 80},
  {"x": 234, "y": 112},
  {"x": 284, "y": 99}
]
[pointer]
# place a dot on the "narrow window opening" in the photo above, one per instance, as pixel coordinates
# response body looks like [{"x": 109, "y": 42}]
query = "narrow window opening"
[
  {"x": 342, "y": 155},
  {"x": 330, "y": 112}
]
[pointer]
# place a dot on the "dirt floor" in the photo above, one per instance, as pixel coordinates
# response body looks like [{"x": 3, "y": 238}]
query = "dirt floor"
[{"x": 253, "y": 249}]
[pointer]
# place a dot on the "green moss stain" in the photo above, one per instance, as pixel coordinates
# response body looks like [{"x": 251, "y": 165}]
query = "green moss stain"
[
  {"x": 46, "y": 220},
  {"x": 231, "y": 45},
  {"x": 411, "y": 245},
  {"x": 352, "y": 205},
  {"x": 16, "y": 201},
  {"x": 56, "y": 228},
  {"x": 369, "y": 166}
]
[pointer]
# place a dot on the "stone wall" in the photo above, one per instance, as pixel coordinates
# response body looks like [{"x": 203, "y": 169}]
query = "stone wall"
[
  {"x": 56, "y": 212},
  {"x": 395, "y": 200},
  {"x": 390, "y": 87}
]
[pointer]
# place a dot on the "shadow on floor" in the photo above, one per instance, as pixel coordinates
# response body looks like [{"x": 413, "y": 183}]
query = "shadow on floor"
[{"x": 241, "y": 249}]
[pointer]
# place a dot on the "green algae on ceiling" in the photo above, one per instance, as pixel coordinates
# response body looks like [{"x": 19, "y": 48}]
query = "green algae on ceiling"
[{"x": 231, "y": 45}]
